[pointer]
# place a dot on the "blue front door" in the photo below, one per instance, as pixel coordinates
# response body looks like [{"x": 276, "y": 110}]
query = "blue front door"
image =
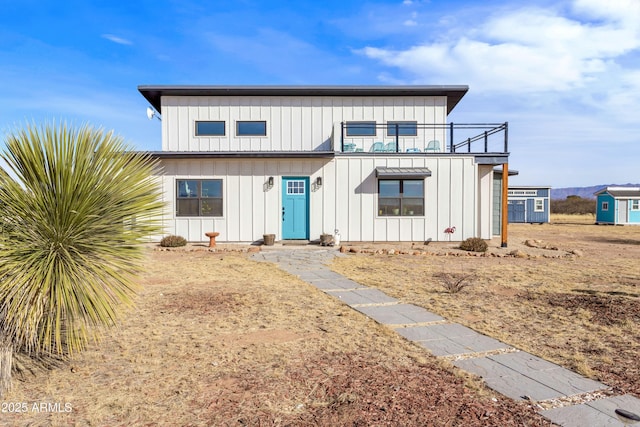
[{"x": 295, "y": 207}]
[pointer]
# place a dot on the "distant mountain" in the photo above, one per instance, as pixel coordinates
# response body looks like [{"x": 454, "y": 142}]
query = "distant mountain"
[{"x": 584, "y": 192}]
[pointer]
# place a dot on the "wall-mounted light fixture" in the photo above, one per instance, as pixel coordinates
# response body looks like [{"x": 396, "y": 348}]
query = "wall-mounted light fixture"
[
  {"x": 319, "y": 181},
  {"x": 270, "y": 182}
]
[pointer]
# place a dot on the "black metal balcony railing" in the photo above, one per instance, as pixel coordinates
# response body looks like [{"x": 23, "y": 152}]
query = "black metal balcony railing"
[{"x": 411, "y": 137}]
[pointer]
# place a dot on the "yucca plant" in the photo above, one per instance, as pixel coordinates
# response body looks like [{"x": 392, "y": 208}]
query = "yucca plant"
[{"x": 75, "y": 204}]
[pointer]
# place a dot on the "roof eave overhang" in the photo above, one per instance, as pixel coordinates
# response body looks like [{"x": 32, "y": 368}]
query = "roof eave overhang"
[
  {"x": 241, "y": 154},
  {"x": 154, "y": 93},
  {"x": 491, "y": 158}
]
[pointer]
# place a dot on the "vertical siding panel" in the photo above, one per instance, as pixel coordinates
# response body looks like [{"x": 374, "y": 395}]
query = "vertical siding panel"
[
  {"x": 342, "y": 198},
  {"x": 457, "y": 199},
  {"x": 368, "y": 193},
  {"x": 470, "y": 208},
  {"x": 272, "y": 222},
  {"x": 443, "y": 197},
  {"x": 246, "y": 208},
  {"x": 329, "y": 190},
  {"x": 232, "y": 211},
  {"x": 355, "y": 212},
  {"x": 287, "y": 119},
  {"x": 170, "y": 124},
  {"x": 258, "y": 214},
  {"x": 274, "y": 142},
  {"x": 327, "y": 125},
  {"x": 296, "y": 124}
]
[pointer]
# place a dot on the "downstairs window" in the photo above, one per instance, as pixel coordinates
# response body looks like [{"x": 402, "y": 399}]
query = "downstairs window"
[
  {"x": 199, "y": 197},
  {"x": 400, "y": 197}
]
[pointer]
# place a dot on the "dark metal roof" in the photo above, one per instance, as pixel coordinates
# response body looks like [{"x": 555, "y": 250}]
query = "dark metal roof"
[
  {"x": 240, "y": 154},
  {"x": 154, "y": 93},
  {"x": 621, "y": 192},
  {"x": 402, "y": 173}
]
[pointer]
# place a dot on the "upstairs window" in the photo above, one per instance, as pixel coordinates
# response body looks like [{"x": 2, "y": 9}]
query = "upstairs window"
[
  {"x": 401, "y": 197},
  {"x": 361, "y": 128},
  {"x": 402, "y": 128},
  {"x": 199, "y": 197},
  {"x": 210, "y": 128},
  {"x": 251, "y": 128}
]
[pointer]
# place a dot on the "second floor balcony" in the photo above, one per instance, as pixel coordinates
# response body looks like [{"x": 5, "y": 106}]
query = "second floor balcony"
[{"x": 415, "y": 138}]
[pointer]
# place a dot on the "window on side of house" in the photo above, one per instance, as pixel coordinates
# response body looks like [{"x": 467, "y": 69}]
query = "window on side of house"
[
  {"x": 210, "y": 128},
  {"x": 635, "y": 205},
  {"x": 604, "y": 206},
  {"x": 406, "y": 128},
  {"x": 251, "y": 128},
  {"x": 199, "y": 197},
  {"x": 361, "y": 129},
  {"x": 400, "y": 197},
  {"x": 538, "y": 205}
]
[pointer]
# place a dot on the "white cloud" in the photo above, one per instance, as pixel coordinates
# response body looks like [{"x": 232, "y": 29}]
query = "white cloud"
[
  {"x": 619, "y": 10},
  {"x": 117, "y": 39},
  {"x": 525, "y": 50}
]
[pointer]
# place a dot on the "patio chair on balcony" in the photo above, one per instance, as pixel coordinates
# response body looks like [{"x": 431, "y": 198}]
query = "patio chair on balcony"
[
  {"x": 377, "y": 147},
  {"x": 390, "y": 147},
  {"x": 433, "y": 146},
  {"x": 349, "y": 147},
  {"x": 413, "y": 150}
]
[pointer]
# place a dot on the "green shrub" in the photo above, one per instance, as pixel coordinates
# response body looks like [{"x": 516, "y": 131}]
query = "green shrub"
[
  {"x": 474, "y": 244},
  {"x": 173, "y": 241},
  {"x": 573, "y": 205}
]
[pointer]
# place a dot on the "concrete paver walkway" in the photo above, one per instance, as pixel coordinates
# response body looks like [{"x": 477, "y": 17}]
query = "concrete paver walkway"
[{"x": 507, "y": 370}]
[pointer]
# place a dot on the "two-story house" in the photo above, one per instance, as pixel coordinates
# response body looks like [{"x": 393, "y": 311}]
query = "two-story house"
[{"x": 377, "y": 163}]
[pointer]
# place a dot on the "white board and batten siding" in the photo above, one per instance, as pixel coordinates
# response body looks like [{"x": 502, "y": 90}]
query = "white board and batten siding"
[
  {"x": 299, "y": 123},
  {"x": 347, "y": 199}
]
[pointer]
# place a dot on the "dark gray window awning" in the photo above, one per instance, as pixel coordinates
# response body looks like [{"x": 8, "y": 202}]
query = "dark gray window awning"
[{"x": 402, "y": 173}]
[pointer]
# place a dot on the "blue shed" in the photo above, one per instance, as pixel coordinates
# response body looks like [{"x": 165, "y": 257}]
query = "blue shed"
[
  {"x": 618, "y": 205},
  {"x": 528, "y": 204}
]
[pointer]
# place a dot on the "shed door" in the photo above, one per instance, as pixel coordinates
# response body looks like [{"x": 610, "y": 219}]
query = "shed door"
[
  {"x": 295, "y": 208},
  {"x": 623, "y": 211},
  {"x": 517, "y": 211}
]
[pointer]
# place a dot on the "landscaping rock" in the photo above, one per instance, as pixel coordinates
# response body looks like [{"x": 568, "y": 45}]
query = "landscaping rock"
[{"x": 518, "y": 254}]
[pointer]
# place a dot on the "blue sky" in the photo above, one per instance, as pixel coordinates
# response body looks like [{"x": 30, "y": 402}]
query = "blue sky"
[{"x": 564, "y": 74}]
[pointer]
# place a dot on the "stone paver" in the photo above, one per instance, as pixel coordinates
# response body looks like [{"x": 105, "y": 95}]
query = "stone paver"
[
  {"x": 335, "y": 285},
  {"x": 398, "y": 314},
  {"x": 595, "y": 413},
  {"x": 515, "y": 374},
  {"x": 451, "y": 339},
  {"x": 363, "y": 296},
  {"x": 520, "y": 374}
]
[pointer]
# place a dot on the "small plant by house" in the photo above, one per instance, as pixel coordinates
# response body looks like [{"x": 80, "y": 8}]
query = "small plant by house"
[
  {"x": 454, "y": 282},
  {"x": 474, "y": 244},
  {"x": 173, "y": 241}
]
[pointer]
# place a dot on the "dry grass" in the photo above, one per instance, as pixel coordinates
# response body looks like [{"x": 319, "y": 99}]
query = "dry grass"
[
  {"x": 572, "y": 218},
  {"x": 579, "y": 311},
  {"x": 222, "y": 340}
]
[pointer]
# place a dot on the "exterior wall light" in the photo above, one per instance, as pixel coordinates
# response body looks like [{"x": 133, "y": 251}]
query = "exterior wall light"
[
  {"x": 319, "y": 181},
  {"x": 270, "y": 182}
]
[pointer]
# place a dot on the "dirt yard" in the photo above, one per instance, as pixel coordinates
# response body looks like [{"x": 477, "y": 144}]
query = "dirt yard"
[
  {"x": 566, "y": 291},
  {"x": 217, "y": 339}
]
